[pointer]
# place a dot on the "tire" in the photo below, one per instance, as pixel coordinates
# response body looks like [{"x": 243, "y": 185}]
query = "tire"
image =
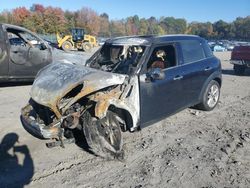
[
  {"x": 210, "y": 97},
  {"x": 103, "y": 136},
  {"x": 86, "y": 46},
  {"x": 67, "y": 46},
  {"x": 239, "y": 69}
]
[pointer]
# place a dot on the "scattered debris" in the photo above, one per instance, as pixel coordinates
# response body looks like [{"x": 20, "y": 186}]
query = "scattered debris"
[{"x": 195, "y": 112}]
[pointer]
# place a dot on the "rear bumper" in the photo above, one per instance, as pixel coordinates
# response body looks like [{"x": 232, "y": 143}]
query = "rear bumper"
[
  {"x": 36, "y": 129},
  {"x": 240, "y": 62}
]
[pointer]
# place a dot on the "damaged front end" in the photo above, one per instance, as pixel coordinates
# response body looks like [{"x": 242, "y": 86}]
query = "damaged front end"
[
  {"x": 65, "y": 97},
  {"x": 33, "y": 123},
  {"x": 58, "y": 98},
  {"x": 100, "y": 98}
]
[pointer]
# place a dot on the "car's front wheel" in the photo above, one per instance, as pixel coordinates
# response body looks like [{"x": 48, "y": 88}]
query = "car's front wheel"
[
  {"x": 104, "y": 135},
  {"x": 210, "y": 97}
]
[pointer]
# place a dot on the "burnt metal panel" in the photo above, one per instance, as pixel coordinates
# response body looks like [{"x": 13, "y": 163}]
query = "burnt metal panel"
[
  {"x": 57, "y": 79},
  {"x": 4, "y": 56},
  {"x": 24, "y": 61}
]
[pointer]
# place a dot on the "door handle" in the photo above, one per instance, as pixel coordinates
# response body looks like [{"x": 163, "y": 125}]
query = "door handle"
[
  {"x": 207, "y": 68},
  {"x": 178, "y": 77}
]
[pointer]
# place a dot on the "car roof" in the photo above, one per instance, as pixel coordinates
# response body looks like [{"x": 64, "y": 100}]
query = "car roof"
[
  {"x": 14, "y": 27},
  {"x": 10, "y": 26},
  {"x": 150, "y": 39}
]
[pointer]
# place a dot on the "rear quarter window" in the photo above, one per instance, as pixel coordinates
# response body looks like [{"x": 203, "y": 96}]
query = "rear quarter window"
[
  {"x": 192, "y": 51},
  {"x": 207, "y": 50}
]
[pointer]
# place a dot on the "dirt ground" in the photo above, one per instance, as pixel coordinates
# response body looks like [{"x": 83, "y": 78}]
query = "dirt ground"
[{"x": 190, "y": 149}]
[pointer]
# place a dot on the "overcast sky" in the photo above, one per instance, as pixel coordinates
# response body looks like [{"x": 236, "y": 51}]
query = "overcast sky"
[{"x": 191, "y": 10}]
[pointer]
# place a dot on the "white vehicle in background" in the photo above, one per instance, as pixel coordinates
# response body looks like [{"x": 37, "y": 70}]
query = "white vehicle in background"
[{"x": 219, "y": 48}]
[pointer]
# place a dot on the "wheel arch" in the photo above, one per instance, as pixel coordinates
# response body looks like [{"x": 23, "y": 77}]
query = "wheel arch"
[
  {"x": 124, "y": 114},
  {"x": 123, "y": 111},
  {"x": 217, "y": 79},
  {"x": 215, "y": 76}
]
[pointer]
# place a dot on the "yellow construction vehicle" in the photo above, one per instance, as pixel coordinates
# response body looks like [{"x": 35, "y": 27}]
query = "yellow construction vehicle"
[{"x": 76, "y": 40}]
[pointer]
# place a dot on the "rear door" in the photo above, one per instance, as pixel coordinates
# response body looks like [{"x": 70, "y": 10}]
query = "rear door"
[
  {"x": 196, "y": 68},
  {"x": 4, "y": 58}
]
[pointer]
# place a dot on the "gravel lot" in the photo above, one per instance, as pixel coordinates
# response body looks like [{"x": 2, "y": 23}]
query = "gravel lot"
[{"x": 190, "y": 149}]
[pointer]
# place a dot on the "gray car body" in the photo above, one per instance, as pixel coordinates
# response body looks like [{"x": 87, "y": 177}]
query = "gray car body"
[{"x": 21, "y": 62}]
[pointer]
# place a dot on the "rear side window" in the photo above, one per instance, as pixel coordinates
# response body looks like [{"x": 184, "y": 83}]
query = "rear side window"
[{"x": 192, "y": 51}]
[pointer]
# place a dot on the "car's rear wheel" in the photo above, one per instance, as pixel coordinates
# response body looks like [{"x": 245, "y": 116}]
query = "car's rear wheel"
[
  {"x": 67, "y": 46},
  {"x": 103, "y": 136},
  {"x": 239, "y": 69},
  {"x": 210, "y": 97}
]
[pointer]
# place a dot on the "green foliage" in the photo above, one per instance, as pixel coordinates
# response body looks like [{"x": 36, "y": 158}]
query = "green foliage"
[
  {"x": 70, "y": 19},
  {"x": 54, "y": 20},
  {"x": 173, "y": 26},
  {"x": 104, "y": 26},
  {"x": 50, "y": 20},
  {"x": 6, "y": 17},
  {"x": 117, "y": 28},
  {"x": 2, "y": 19},
  {"x": 201, "y": 29},
  {"x": 242, "y": 28},
  {"x": 35, "y": 23}
]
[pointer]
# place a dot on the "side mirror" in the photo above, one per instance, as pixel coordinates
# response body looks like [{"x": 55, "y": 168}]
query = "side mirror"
[
  {"x": 155, "y": 74},
  {"x": 43, "y": 46}
]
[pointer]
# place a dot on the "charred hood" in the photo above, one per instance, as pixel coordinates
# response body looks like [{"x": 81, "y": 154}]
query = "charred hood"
[{"x": 57, "y": 79}]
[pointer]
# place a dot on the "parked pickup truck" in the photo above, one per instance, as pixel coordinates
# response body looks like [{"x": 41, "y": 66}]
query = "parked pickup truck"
[
  {"x": 240, "y": 58},
  {"x": 22, "y": 53}
]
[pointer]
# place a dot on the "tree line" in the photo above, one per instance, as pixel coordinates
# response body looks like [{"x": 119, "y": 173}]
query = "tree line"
[{"x": 49, "y": 20}]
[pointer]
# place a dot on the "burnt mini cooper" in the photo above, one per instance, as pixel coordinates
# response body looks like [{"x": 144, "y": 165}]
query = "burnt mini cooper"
[{"x": 128, "y": 84}]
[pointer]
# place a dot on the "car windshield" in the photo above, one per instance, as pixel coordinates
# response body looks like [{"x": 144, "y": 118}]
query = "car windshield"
[{"x": 122, "y": 59}]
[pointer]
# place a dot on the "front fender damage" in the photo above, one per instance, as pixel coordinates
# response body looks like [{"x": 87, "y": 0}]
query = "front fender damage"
[
  {"x": 57, "y": 103},
  {"x": 126, "y": 99}
]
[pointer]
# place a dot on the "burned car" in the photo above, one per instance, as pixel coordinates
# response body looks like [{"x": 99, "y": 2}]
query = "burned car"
[
  {"x": 22, "y": 54},
  {"x": 128, "y": 84}
]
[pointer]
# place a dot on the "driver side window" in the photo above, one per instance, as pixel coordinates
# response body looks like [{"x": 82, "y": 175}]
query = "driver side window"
[
  {"x": 21, "y": 38},
  {"x": 30, "y": 38},
  {"x": 15, "y": 40},
  {"x": 162, "y": 57}
]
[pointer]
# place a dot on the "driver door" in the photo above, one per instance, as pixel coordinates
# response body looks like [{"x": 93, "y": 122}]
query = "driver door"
[
  {"x": 18, "y": 57},
  {"x": 27, "y": 56},
  {"x": 162, "y": 97},
  {"x": 39, "y": 54}
]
